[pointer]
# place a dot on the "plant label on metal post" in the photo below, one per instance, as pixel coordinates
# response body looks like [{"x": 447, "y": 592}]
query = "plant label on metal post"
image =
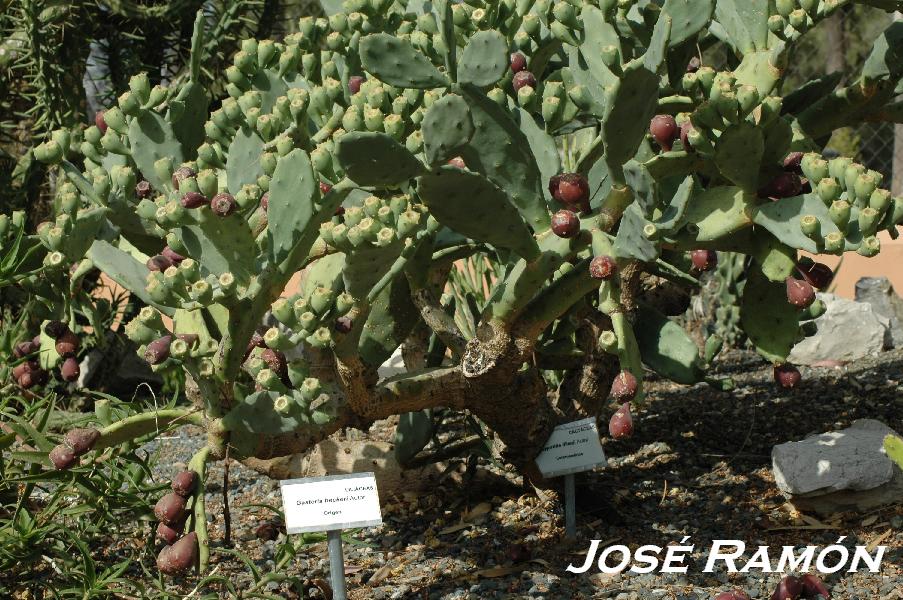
[
  {"x": 331, "y": 504},
  {"x": 572, "y": 448}
]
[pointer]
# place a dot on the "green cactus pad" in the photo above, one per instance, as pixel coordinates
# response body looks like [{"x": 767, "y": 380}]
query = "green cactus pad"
[
  {"x": 658, "y": 45},
  {"x": 893, "y": 447},
  {"x": 745, "y": 22},
  {"x": 630, "y": 241},
  {"x": 738, "y": 155},
  {"x": 243, "y": 162},
  {"x": 446, "y": 127},
  {"x": 674, "y": 212},
  {"x": 255, "y": 414},
  {"x": 153, "y": 138},
  {"x": 376, "y": 159},
  {"x": 221, "y": 245},
  {"x": 718, "y": 212},
  {"x": 777, "y": 260},
  {"x": 543, "y": 147},
  {"x": 189, "y": 127},
  {"x": 782, "y": 219},
  {"x": 413, "y": 433},
  {"x": 125, "y": 270},
  {"x": 398, "y": 63},
  {"x": 634, "y": 100},
  {"x": 598, "y": 34},
  {"x": 771, "y": 322},
  {"x": 666, "y": 348},
  {"x": 472, "y": 205},
  {"x": 485, "y": 59},
  {"x": 688, "y": 18},
  {"x": 392, "y": 318},
  {"x": 293, "y": 191}
]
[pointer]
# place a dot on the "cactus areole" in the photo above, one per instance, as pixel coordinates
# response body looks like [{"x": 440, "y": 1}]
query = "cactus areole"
[{"x": 375, "y": 156}]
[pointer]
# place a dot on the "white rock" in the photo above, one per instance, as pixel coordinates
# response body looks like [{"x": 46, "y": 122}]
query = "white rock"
[
  {"x": 393, "y": 366},
  {"x": 847, "y": 331}
]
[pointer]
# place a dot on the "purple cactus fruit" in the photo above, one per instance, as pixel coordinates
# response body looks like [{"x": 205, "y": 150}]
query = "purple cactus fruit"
[
  {"x": 267, "y": 531},
  {"x": 25, "y": 348},
  {"x": 158, "y": 262},
  {"x": 784, "y": 185},
  {"x": 813, "y": 587},
  {"x": 67, "y": 344},
  {"x": 704, "y": 260},
  {"x": 789, "y": 588},
  {"x": 685, "y": 128},
  {"x": 518, "y": 62},
  {"x": 265, "y": 202},
  {"x": 664, "y": 131},
  {"x": 193, "y": 200},
  {"x": 787, "y": 376},
  {"x": 100, "y": 121},
  {"x": 458, "y": 162},
  {"x": 523, "y": 79},
  {"x": 799, "y": 292},
  {"x": 189, "y": 338},
  {"x": 620, "y": 426},
  {"x": 223, "y": 205},
  {"x": 793, "y": 162},
  {"x": 184, "y": 483},
  {"x": 733, "y": 595},
  {"x": 172, "y": 255},
  {"x": 55, "y": 329},
  {"x": 343, "y": 324},
  {"x": 158, "y": 350},
  {"x": 143, "y": 189},
  {"x": 572, "y": 189},
  {"x": 81, "y": 440},
  {"x": 168, "y": 534},
  {"x": 325, "y": 188},
  {"x": 181, "y": 556},
  {"x": 694, "y": 65},
  {"x": 565, "y": 223},
  {"x": 275, "y": 361},
  {"x": 70, "y": 369},
  {"x": 25, "y": 367},
  {"x": 170, "y": 509},
  {"x": 818, "y": 275},
  {"x": 180, "y": 174},
  {"x": 603, "y": 267},
  {"x": 354, "y": 83},
  {"x": 62, "y": 457},
  {"x": 624, "y": 387}
]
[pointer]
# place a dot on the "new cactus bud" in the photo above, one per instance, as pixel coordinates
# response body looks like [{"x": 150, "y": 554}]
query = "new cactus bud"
[
  {"x": 62, "y": 457},
  {"x": 167, "y": 534},
  {"x": 181, "y": 556},
  {"x": 170, "y": 509},
  {"x": 282, "y": 405},
  {"x": 81, "y": 440},
  {"x": 704, "y": 260},
  {"x": 787, "y": 376},
  {"x": 799, "y": 292},
  {"x": 310, "y": 389},
  {"x": 223, "y": 204},
  {"x": 158, "y": 350},
  {"x": 869, "y": 247},
  {"x": 180, "y": 174},
  {"x": 523, "y": 79},
  {"x": 828, "y": 190},
  {"x": 67, "y": 344},
  {"x": 834, "y": 242},
  {"x": 664, "y": 131},
  {"x": 603, "y": 267},
  {"x": 813, "y": 587},
  {"x": 624, "y": 387},
  {"x": 880, "y": 200},
  {"x": 518, "y": 62},
  {"x": 810, "y": 226},
  {"x": 620, "y": 426},
  {"x": 158, "y": 262},
  {"x": 868, "y": 221},
  {"x": 565, "y": 224},
  {"x": 321, "y": 338},
  {"x": 184, "y": 483},
  {"x": 840, "y": 213},
  {"x": 790, "y": 587}
]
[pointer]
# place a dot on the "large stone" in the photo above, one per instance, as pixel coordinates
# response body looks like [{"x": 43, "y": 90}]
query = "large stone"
[
  {"x": 844, "y": 470},
  {"x": 879, "y": 292},
  {"x": 848, "y": 331}
]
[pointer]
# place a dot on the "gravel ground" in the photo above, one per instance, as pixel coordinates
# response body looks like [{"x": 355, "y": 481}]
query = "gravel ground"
[{"x": 698, "y": 465}]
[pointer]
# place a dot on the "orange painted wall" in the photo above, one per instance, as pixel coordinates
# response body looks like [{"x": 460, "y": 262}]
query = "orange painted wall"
[{"x": 888, "y": 263}]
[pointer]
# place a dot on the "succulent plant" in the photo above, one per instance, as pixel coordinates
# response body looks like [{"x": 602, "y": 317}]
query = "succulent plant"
[{"x": 376, "y": 149}]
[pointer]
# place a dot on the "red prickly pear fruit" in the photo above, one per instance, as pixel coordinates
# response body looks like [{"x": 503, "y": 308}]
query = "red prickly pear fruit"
[
  {"x": 339, "y": 211},
  {"x": 354, "y": 83},
  {"x": 620, "y": 427},
  {"x": 81, "y": 440},
  {"x": 168, "y": 534},
  {"x": 818, "y": 275},
  {"x": 275, "y": 361},
  {"x": 694, "y": 65},
  {"x": 565, "y": 223},
  {"x": 265, "y": 202},
  {"x": 62, "y": 457},
  {"x": 813, "y": 587},
  {"x": 800, "y": 293},
  {"x": 787, "y": 376},
  {"x": 789, "y": 588},
  {"x": 518, "y": 62},
  {"x": 158, "y": 263},
  {"x": 267, "y": 531},
  {"x": 172, "y": 255},
  {"x": 603, "y": 267},
  {"x": 793, "y": 162},
  {"x": 457, "y": 162},
  {"x": 27, "y": 380},
  {"x": 55, "y": 329},
  {"x": 70, "y": 370},
  {"x": 143, "y": 189},
  {"x": 733, "y": 595},
  {"x": 554, "y": 180},
  {"x": 325, "y": 188},
  {"x": 181, "y": 556},
  {"x": 664, "y": 131},
  {"x": 170, "y": 508},
  {"x": 784, "y": 185},
  {"x": 100, "y": 121},
  {"x": 180, "y": 174},
  {"x": 223, "y": 205},
  {"x": 685, "y": 128},
  {"x": 26, "y": 367},
  {"x": 189, "y": 338},
  {"x": 67, "y": 345},
  {"x": 523, "y": 79},
  {"x": 193, "y": 200},
  {"x": 343, "y": 324},
  {"x": 184, "y": 483},
  {"x": 624, "y": 387},
  {"x": 704, "y": 260},
  {"x": 572, "y": 189},
  {"x": 25, "y": 348},
  {"x": 158, "y": 350}
]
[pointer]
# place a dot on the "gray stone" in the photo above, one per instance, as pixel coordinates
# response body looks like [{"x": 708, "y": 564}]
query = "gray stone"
[
  {"x": 848, "y": 331},
  {"x": 839, "y": 471},
  {"x": 879, "y": 292}
]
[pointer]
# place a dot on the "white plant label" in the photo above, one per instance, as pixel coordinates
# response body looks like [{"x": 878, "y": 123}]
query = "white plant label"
[
  {"x": 329, "y": 503},
  {"x": 572, "y": 448}
]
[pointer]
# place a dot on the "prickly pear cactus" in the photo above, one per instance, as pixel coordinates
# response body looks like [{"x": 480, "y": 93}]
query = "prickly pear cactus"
[{"x": 379, "y": 146}]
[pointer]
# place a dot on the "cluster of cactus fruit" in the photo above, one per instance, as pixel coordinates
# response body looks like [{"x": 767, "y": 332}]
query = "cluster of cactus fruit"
[
  {"x": 580, "y": 145},
  {"x": 807, "y": 587},
  {"x": 172, "y": 512},
  {"x": 60, "y": 349}
]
